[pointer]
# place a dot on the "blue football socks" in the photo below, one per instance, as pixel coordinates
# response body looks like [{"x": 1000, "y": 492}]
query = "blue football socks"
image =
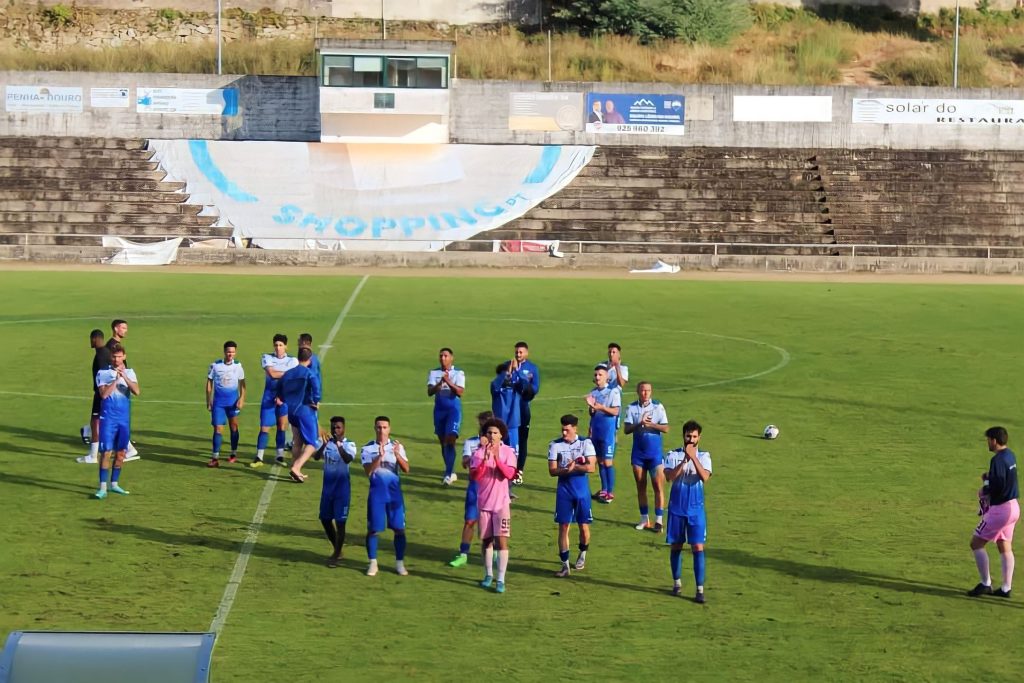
[
  {"x": 399, "y": 547},
  {"x": 698, "y": 567},
  {"x": 371, "y": 546},
  {"x": 675, "y": 558}
]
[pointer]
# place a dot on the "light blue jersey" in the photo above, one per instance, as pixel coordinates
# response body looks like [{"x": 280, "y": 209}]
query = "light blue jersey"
[
  {"x": 687, "y": 496},
  {"x": 647, "y": 443},
  {"x": 116, "y": 407},
  {"x": 602, "y": 425},
  {"x": 271, "y": 361},
  {"x": 225, "y": 378}
]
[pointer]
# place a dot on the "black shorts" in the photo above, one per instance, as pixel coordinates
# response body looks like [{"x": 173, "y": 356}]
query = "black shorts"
[{"x": 96, "y": 403}]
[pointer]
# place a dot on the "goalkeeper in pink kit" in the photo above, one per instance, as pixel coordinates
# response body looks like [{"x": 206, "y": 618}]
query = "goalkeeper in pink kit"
[{"x": 491, "y": 467}]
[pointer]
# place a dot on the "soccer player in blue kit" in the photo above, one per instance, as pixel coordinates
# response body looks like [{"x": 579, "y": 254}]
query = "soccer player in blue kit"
[
  {"x": 446, "y": 384},
  {"x": 271, "y": 413},
  {"x": 571, "y": 458},
  {"x": 528, "y": 370},
  {"x": 336, "y": 494},
  {"x": 604, "y": 402},
  {"x": 506, "y": 401},
  {"x": 647, "y": 421},
  {"x": 688, "y": 468},
  {"x": 116, "y": 384},
  {"x": 382, "y": 459},
  {"x": 306, "y": 342},
  {"x": 225, "y": 398},
  {"x": 299, "y": 391}
]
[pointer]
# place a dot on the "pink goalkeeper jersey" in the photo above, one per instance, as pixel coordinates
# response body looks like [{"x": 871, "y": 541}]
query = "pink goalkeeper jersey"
[{"x": 492, "y": 478}]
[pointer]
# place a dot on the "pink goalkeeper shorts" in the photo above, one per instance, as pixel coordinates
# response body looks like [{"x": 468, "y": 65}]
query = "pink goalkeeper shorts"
[
  {"x": 997, "y": 524},
  {"x": 495, "y": 523}
]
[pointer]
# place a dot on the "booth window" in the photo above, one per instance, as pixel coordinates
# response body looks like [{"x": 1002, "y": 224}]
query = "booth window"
[
  {"x": 353, "y": 71},
  {"x": 357, "y": 71}
]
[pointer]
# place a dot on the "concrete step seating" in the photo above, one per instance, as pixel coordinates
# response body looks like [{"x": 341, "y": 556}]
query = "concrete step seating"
[
  {"x": 916, "y": 197},
  {"x": 655, "y": 199},
  {"x": 74, "y": 191}
]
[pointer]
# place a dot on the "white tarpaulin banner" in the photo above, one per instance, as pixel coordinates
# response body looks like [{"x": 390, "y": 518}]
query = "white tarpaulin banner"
[
  {"x": 142, "y": 254},
  {"x": 297, "y": 195}
]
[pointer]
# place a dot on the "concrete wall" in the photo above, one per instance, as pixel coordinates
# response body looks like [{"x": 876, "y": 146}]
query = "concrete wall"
[
  {"x": 459, "y": 12},
  {"x": 287, "y": 108},
  {"x": 599, "y": 263},
  {"x": 480, "y": 115},
  {"x": 442, "y": 11},
  {"x": 269, "y": 108}
]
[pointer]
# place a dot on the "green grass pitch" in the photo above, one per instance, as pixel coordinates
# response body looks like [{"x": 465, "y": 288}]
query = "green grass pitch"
[{"x": 837, "y": 552}]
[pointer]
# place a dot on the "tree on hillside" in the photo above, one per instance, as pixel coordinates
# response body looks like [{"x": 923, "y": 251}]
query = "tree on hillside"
[{"x": 696, "y": 21}]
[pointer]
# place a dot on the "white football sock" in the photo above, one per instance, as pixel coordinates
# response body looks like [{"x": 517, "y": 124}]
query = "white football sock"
[{"x": 981, "y": 559}]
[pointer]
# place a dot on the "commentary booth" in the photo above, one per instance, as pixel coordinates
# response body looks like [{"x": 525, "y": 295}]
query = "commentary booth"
[
  {"x": 113, "y": 657},
  {"x": 374, "y": 91}
]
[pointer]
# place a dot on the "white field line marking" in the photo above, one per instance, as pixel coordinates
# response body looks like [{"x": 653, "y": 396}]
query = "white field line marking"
[
  {"x": 326, "y": 346},
  {"x": 784, "y": 359},
  {"x": 238, "y": 573}
]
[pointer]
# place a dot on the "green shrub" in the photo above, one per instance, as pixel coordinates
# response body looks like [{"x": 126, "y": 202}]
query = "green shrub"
[
  {"x": 59, "y": 15},
  {"x": 697, "y": 21}
]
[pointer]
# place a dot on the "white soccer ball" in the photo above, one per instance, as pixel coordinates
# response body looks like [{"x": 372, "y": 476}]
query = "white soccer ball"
[
  {"x": 86, "y": 433},
  {"x": 771, "y": 432}
]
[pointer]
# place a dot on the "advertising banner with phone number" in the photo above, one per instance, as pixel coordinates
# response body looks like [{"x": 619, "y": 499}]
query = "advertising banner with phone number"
[{"x": 632, "y": 114}]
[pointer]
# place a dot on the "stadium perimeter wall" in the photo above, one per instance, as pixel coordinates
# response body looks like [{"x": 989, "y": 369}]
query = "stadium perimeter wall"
[
  {"x": 606, "y": 264},
  {"x": 287, "y": 109}
]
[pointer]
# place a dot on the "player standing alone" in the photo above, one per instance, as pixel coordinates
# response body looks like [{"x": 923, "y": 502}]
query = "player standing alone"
[
  {"x": 571, "y": 458},
  {"x": 688, "y": 468},
  {"x": 647, "y": 421},
  {"x": 446, "y": 384},
  {"x": 1001, "y": 511},
  {"x": 605, "y": 402},
  {"x": 383, "y": 458},
  {"x": 225, "y": 397},
  {"x": 336, "y": 494}
]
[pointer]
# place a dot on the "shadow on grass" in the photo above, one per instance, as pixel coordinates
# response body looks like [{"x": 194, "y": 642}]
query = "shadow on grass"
[
  {"x": 840, "y": 575},
  {"x": 77, "y": 489},
  {"x": 174, "y": 436},
  {"x": 231, "y": 546}
]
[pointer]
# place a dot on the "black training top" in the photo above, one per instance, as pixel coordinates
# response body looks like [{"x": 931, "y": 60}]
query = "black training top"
[
  {"x": 101, "y": 361},
  {"x": 1002, "y": 477}
]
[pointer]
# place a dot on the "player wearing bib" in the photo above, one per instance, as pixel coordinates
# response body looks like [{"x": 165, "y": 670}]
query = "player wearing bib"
[
  {"x": 506, "y": 402},
  {"x": 299, "y": 391},
  {"x": 225, "y": 397},
  {"x": 647, "y": 421},
  {"x": 446, "y": 384},
  {"x": 571, "y": 459},
  {"x": 604, "y": 402},
  {"x": 491, "y": 467},
  {"x": 472, "y": 513},
  {"x": 1001, "y": 510},
  {"x": 688, "y": 468},
  {"x": 336, "y": 494},
  {"x": 618, "y": 374},
  {"x": 100, "y": 361},
  {"x": 272, "y": 413},
  {"x": 116, "y": 384},
  {"x": 382, "y": 459}
]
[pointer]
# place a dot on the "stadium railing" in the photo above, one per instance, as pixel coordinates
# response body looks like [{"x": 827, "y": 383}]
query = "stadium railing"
[{"x": 566, "y": 247}]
